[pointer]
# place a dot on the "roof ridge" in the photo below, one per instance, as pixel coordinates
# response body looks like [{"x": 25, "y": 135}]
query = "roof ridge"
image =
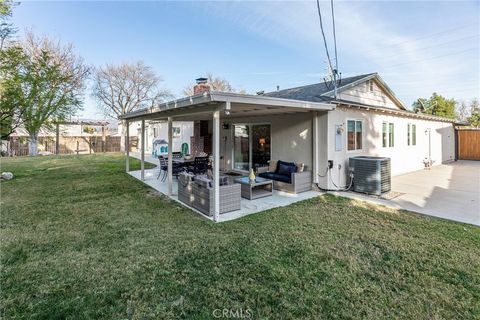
[{"x": 360, "y": 76}]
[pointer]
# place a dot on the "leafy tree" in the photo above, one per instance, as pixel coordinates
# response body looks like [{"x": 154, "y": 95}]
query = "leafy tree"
[
  {"x": 436, "y": 105},
  {"x": 45, "y": 85},
  {"x": 6, "y": 28},
  {"x": 12, "y": 74},
  {"x": 215, "y": 83}
]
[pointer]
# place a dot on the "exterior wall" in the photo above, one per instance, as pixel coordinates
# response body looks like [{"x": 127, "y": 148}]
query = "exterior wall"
[
  {"x": 404, "y": 158},
  {"x": 361, "y": 93},
  {"x": 291, "y": 138},
  {"x": 186, "y": 131}
]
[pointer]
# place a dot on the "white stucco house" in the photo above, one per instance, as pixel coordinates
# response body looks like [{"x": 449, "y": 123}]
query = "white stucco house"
[{"x": 307, "y": 125}]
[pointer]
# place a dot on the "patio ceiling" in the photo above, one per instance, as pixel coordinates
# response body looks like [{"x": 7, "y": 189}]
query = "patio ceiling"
[{"x": 201, "y": 107}]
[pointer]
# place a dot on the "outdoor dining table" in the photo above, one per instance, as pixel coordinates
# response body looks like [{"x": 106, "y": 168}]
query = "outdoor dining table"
[{"x": 182, "y": 160}]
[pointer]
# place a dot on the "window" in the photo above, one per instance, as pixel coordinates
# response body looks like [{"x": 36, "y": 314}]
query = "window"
[
  {"x": 370, "y": 85},
  {"x": 390, "y": 134},
  {"x": 354, "y": 134},
  {"x": 387, "y": 134},
  {"x": 384, "y": 135},
  {"x": 412, "y": 135},
  {"x": 155, "y": 132},
  {"x": 176, "y": 132}
]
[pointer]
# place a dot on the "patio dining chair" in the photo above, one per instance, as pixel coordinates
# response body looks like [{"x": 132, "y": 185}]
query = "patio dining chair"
[
  {"x": 200, "y": 165},
  {"x": 176, "y": 168}
]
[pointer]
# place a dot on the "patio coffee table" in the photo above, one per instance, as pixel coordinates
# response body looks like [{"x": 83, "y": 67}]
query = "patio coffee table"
[{"x": 259, "y": 188}]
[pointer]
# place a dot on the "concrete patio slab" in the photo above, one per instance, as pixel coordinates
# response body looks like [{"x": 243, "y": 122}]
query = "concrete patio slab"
[
  {"x": 278, "y": 199},
  {"x": 450, "y": 191}
]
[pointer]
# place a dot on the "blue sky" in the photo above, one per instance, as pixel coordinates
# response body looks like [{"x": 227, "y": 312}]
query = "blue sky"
[{"x": 417, "y": 46}]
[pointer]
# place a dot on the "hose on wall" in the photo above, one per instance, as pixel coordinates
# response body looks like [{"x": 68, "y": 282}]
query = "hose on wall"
[{"x": 345, "y": 188}]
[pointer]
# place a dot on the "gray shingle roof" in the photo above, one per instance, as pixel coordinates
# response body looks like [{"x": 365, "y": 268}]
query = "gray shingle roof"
[{"x": 314, "y": 92}]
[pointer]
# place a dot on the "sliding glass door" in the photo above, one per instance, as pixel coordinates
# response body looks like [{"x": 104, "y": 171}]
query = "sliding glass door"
[
  {"x": 251, "y": 146},
  {"x": 241, "y": 149}
]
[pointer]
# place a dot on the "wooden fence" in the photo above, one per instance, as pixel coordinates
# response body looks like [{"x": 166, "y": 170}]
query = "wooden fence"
[
  {"x": 468, "y": 144},
  {"x": 71, "y": 145}
]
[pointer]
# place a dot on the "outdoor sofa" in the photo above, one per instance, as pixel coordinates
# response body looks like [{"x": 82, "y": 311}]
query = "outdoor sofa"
[
  {"x": 197, "y": 192},
  {"x": 287, "y": 176}
]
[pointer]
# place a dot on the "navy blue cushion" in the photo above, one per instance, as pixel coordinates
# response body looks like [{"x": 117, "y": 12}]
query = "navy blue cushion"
[
  {"x": 286, "y": 168},
  {"x": 276, "y": 177}
]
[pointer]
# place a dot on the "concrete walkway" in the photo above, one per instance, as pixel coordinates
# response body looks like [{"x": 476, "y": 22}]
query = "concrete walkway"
[{"x": 450, "y": 191}]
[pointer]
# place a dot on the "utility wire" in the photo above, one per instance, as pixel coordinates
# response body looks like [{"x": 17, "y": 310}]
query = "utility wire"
[
  {"x": 380, "y": 55},
  {"x": 334, "y": 37},
  {"x": 323, "y": 35},
  {"x": 423, "y": 37},
  {"x": 432, "y": 58}
]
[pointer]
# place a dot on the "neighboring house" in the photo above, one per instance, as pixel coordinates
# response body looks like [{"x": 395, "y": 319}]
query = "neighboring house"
[
  {"x": 75, "y": 128},
  {"x": 306, "y": 124},
  {"x": 182, "y": 133},
  {"x": 74, "y": 136}
]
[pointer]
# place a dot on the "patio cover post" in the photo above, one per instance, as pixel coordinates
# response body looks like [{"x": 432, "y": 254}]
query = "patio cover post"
[
  {"x": 170, "y": 164},
  {"x": 142, "y": 152},
  {"x": 127, "y": 147},
  {"x": 315, "y": 147},
  {"x": 216, "y": 164}
]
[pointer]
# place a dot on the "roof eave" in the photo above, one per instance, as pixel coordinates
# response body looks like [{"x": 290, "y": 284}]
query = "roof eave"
[
  {"x": 375, "y": 76},
  {"x": 216, "y": 96},
  {"x": 393, "y": 111}
]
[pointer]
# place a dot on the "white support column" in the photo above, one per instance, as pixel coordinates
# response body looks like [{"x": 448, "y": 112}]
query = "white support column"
[
  {"x": 127, "y": 146},
  {"x": 315, "y": 146},
  {"x": 216, "y": 164},
  {"x": 142, "y": 152},
  {"x": 170, "y": 162}
]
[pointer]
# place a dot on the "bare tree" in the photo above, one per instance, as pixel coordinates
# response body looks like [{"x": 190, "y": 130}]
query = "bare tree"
[
  {"x": 127, "y": 87},
  {"x": 215, "y": 83},
  {"x": 124, "y": 88},
  {"x": 462, "y": 110}
]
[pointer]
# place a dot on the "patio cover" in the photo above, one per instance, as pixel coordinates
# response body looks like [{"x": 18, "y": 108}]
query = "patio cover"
[{"x": 212, "y": 106}]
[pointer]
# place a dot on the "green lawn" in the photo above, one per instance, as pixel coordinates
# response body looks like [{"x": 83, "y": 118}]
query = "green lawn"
[{"x": 82, "y": 239}]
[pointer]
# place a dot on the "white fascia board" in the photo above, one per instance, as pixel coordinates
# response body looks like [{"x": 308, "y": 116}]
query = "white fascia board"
[{"x": 269, "y": 101}]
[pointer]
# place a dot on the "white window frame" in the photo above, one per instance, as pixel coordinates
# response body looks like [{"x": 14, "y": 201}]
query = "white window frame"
[
  {"x": 410, "y": 135},
  {"x": 176, "y": 134},
  {"x": 370, "y": 86},
  {"x": 346, "y": 135},
  {"x": 388, "y": 134},
  {"x": 232, "y": 146}
]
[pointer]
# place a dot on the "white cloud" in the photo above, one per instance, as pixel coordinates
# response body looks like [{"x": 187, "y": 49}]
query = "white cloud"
[{"x": 413, "y": 63}]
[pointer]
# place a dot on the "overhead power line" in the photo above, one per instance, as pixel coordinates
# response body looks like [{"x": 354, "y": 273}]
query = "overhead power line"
[
  {"x": 432, "y": 58},
  {"x": 423, "y": 37},
  {"x": 334, "y": 75},
  {"x": 323, "y": 35},
  {"x": 334, "y": 36}
]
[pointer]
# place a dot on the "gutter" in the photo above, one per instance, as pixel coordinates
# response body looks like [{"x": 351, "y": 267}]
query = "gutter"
[
  {"x": 228, "y": 97},
  {"x": 393, "y": 111}
]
